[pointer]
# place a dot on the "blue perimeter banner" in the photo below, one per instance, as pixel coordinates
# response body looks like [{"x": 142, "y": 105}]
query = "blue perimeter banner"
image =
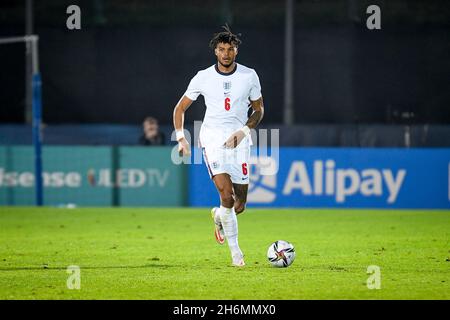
[{"x": 341, "y": 177}]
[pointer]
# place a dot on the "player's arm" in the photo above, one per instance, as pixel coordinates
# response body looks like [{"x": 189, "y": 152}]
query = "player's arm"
[
  {"x": 257, "y": 115},
  {"x": 178, "y": 123},
  {"x": 255, "y": 118}
]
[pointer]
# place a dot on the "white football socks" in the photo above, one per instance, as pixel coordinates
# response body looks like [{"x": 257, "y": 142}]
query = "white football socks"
[
  {"x": 230, "y": 228},
  {"x": 217, "y": 216}
]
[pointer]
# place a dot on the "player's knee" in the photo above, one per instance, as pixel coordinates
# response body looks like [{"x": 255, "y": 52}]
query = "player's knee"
[
  {"x": 239, "y": 207},
  {"x": 227, "y": 199}
]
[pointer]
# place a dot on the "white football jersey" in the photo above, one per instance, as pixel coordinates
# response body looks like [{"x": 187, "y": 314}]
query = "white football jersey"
[{"x": 227, "y": 98}]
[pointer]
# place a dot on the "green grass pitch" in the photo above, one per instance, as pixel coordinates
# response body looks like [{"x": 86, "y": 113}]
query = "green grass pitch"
[{"x": 170, "y": 253}]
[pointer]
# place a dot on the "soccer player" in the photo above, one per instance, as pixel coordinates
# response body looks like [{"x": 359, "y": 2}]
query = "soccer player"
[{"x": 229, "y": 89}]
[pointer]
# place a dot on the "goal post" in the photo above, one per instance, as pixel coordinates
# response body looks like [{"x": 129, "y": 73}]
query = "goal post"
[{"x": 31, "y": 42}]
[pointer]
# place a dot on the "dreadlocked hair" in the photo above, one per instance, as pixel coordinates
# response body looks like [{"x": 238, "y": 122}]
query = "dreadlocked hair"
[{"x": 225, "y": 37}]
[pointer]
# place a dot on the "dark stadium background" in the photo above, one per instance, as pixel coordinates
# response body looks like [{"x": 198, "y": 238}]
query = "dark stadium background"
[{"x": 132, "y": 59}]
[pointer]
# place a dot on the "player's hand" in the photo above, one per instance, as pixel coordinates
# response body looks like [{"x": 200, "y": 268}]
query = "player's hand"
[
  {"x": 183, "y": 147},
  {"x": 235, "y": 139}
]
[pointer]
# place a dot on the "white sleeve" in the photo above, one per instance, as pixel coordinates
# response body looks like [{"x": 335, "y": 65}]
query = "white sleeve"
[
  {"x": 255, "y": 91},
  {"x": 194, "y": 88}
]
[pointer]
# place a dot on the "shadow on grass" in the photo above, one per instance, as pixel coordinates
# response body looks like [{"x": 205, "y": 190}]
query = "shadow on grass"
[{"x": 164, "y": 266}]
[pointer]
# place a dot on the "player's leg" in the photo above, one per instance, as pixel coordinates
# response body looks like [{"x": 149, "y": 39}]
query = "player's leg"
[
  {"x": 212, "y": 161},
  {"x": 224, "y": 186},
  {"x": 225, "y": 189},
  {"x": 235, "y": 195},
  {"x": 240, "y": 197},
  {"x": 227, "y": 216}
]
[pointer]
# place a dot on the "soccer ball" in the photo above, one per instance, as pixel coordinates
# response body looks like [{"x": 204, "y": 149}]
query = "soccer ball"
[{"x": 281, "y": 254}]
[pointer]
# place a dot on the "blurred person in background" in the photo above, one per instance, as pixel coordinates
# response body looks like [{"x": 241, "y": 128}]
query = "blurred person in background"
[{"x": 151, "y": 135}]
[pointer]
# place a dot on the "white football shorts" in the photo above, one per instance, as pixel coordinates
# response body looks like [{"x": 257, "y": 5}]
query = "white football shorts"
[{"x": 231, "y": 161}]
